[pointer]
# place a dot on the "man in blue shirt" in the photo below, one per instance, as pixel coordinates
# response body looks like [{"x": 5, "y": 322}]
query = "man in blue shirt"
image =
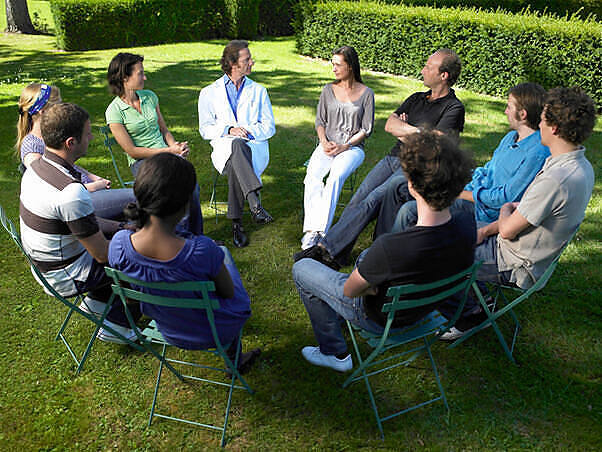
[
  {"x": 235, "y": 114},
  {"x": 515, "y": 162}
]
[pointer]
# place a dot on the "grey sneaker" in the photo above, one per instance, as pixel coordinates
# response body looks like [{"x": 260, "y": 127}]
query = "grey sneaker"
[
  {"x": 106, "y": 336},
  {"x": 92, "y": 307},
  {"x": 317, "y": 358}
]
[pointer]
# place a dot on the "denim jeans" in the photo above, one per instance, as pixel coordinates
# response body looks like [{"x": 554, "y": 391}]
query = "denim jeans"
[
  {"x": 361, "y": 210},
  {"x": 321, "y": 290},
  {"x": 109, "y": 204}
]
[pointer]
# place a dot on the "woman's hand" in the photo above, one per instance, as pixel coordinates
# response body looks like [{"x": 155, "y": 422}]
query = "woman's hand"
[
  {"x": 99, "y": 184},
  {"x": 335, "y": 149}
]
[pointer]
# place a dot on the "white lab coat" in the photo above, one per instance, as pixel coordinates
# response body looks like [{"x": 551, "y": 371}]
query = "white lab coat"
[{"x": 254, "y": 114}]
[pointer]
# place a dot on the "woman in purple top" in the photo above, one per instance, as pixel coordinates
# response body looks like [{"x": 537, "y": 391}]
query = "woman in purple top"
[{"x": 155, "y": 253}]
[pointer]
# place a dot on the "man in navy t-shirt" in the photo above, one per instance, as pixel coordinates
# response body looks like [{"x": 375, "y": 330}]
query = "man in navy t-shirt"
[{"x": 437, "y": 247}]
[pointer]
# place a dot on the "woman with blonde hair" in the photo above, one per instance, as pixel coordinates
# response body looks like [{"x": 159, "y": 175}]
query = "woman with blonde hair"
[{"x": 34, "y": 100}]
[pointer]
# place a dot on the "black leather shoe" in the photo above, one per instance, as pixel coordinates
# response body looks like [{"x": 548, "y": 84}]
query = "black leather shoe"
[
  {"x": 260, "y": 215},
  {"x": 317, "y": 253},
  {"x": 239, "y": 238}
]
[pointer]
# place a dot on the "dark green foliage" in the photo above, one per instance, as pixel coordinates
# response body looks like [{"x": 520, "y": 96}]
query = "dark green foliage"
[
  {"x": 560, "y": 7},
  {"x": 242, "y": 17},
  {"x": 276, "y": 16},
  {"x": 498, "y": 50},
  {"x": 102, "y": 24}
]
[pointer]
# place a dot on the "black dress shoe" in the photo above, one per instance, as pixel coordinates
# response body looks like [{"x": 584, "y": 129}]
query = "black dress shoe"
[
  {"x": 239, "y": 238},
  {"x": 260, "y": 215},
  {"x": 317, "y": 253}
]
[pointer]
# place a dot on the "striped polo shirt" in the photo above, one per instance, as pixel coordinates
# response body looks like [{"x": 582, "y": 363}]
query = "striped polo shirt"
[{"x": 55, "y": 211}]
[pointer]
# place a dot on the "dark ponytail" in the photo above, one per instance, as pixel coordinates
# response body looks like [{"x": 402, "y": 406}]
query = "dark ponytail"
[{"x": 163, "y": 187}]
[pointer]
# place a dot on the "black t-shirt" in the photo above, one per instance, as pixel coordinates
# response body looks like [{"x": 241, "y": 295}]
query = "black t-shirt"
[
  {"x": 418, "y": 255},
  {"x": 445, "y": 114}
]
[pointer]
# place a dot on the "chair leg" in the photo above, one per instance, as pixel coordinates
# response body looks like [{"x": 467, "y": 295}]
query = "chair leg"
[
  {"x": 362, "y": 369},
  {"x": 428, "y": 350},
  {"x": 64, "y": 324},
  {"x": 150, "y": 419}
]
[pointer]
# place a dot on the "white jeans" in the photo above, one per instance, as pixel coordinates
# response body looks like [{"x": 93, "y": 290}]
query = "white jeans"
[{"x": 320, "y": 200}]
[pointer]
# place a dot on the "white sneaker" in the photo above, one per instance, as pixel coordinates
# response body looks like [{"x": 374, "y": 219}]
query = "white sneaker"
[
  {"x": 453, "y": 334},
  {"x": 92, "y": 307},
  {"x": 317, "y": 358},
  {"x": 310, "y": 239},
  {"x": 107, "y": 336}
]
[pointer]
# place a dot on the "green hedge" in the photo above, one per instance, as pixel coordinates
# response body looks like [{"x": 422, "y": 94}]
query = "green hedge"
[
  {"x": 498, "y": 50},
  {"x": 276, "y": 16},
  {"x": 242, "y": 17},
  {"x": 582, "y": 8},
  {"x": 103, "y": 24}
]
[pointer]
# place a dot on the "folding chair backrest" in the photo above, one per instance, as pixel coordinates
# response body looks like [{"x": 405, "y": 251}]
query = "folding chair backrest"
[
  {"x": 201, "y": 287},
  {"x": 14, "y": 234},
  {"x": 443, "y": 289},
  {"x": 109, "y": 141}
]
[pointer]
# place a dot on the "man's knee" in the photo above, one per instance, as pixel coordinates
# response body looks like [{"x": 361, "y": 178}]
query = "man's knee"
[{"x": 239, "y": 145}]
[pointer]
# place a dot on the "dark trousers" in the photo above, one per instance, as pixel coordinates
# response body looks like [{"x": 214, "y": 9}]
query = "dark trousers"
[{"x": 242, "y": 179}]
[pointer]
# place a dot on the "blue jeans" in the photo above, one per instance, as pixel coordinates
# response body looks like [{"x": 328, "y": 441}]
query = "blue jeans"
[
  {"x": 109, "y": 204},
  {"x": 321, "y": 290},
  {"x": 486, "y": 251},
  {"x": 361, "y": 210}
]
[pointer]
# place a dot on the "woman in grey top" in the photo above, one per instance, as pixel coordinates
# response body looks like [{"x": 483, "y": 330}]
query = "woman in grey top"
[{"x": 345, "y": 117}]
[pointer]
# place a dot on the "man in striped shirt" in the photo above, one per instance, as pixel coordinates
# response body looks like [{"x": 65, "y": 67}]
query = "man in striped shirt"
[{"x": 58, "y": 227}]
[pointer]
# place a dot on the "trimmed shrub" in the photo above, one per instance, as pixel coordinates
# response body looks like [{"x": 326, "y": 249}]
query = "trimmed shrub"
[
  {"x": 497, "y": 50},
  {"x": 581, "y": 8},
  {"x": 104, "y": 24},
  {"x": 276, "y": 16},
  {"x": 242, "y": 17}
]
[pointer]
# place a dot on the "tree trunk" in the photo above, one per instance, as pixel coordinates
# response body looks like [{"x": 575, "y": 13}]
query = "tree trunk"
[{"x": 17, "y": 17}]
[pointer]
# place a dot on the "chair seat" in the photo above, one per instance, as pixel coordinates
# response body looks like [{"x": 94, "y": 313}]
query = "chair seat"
[{"x": 425, "y": 326}]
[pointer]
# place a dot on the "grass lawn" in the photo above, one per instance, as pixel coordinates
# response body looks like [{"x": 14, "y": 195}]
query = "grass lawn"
[{"x": 551, "y": 400}]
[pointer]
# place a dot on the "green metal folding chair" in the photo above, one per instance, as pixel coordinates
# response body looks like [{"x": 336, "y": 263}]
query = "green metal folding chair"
[
  {"x": 426, "y": 331},
  {"x": 152, "y": 335},
  {"x": 73, "y": 306},
  {"x": 109, "y": 142},
  {"x": 499, "y": 305}
]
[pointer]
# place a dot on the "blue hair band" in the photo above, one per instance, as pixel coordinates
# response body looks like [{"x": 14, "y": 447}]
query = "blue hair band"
[{"x": 41, "y": 100}]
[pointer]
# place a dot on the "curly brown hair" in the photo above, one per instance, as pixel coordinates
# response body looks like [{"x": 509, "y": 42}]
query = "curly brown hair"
[
  {"x": 437, "y": 168},
  {"x": 573, "y": 113}
]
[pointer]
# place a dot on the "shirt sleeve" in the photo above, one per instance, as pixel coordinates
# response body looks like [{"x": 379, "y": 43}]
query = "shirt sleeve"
[
  {"x": 113, "y": 114},
  {"x": 368, "y": 118},
  {"x": 541, "y": 199},
  {"x": 322, "y": 110},
  {"x": 76, "y": 210},
  {"x": 452, "y": 119},
  {"x": 31, "y": 146},
  {"x": 513, "y": 188},
  {"x": 371, "y": 268}
]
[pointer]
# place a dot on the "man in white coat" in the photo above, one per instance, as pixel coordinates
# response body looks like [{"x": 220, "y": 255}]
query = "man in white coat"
[{"x": 235, "y": 113}]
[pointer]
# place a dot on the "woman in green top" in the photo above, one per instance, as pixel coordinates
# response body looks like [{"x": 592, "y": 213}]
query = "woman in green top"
[{"x": 137, "y": 124}]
